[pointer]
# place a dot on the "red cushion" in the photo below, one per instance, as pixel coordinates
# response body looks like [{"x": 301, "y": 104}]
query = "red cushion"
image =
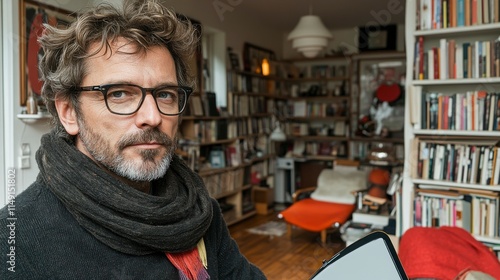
[
  {"x": 443, "y": 253},
  {"x": 313, "y": 215}
]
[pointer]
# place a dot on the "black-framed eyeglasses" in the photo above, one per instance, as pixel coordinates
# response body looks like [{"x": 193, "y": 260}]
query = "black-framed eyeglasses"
[{"x": 126, "y": 99}]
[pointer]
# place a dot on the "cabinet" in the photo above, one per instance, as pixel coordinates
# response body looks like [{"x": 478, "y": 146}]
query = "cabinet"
[
  {"x": 451, "y": 130},
  {"x": 319, "y": 108},
  {"x": 377, "y": 117}
]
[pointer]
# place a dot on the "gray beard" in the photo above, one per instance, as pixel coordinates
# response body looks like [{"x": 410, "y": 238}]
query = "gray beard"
[{"x": 111, "y": 158}]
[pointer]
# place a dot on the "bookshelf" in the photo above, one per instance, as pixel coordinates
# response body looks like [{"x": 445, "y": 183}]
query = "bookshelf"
[
  {"x": 319, "y": 106},
  {"x": 451, "y": 174},
  {"x": 230, "y": 149}
]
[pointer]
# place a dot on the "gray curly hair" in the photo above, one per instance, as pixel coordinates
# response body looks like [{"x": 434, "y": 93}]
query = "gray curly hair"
[{"x": 145, "y": 23}]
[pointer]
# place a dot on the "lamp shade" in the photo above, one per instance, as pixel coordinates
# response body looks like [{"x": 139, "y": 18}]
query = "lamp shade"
[{"x": 310, "y": 36}]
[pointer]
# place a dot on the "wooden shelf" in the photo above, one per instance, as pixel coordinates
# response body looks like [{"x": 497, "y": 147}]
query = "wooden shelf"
[
  {"x": 447, "y": 82},
  {"x": 320, "y": 138},
  {"x": 452, "y": 133},
  {"x": 378, "y": 139},
  {"x": 459, "y": 31},
  {"x": 318, "y": 118},
  {"x": 448, "y": 185}
]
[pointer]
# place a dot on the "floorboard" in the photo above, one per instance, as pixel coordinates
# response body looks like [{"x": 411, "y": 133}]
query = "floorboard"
[{"x": 281, "y": 257}]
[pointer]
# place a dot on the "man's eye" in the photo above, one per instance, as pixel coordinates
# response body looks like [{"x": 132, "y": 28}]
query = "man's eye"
[
  {"x": 117, "y": 94},
  {"x": 164, "y": 94}
]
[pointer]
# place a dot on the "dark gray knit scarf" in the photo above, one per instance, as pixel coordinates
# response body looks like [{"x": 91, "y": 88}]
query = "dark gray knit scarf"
[{"x": 125, "y": 219}]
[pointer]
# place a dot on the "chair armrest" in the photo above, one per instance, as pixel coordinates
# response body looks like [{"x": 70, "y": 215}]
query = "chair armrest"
[
  {"x": 302, "y": 193},
  {"x": 356, "y": 192}
]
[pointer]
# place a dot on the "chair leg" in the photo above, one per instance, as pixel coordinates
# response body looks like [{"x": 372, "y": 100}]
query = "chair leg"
[
  {"x": 289, "y": 231},
  {"x": 323, "y": 237}
]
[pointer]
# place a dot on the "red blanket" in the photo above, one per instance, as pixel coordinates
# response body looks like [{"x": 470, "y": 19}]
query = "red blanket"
[{"x": 444, "y": 253}]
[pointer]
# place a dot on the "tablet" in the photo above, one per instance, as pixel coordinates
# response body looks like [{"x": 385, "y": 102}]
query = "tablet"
[{"x": 371, "y": 257}]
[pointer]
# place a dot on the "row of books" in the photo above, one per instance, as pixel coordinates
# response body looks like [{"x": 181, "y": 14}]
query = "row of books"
[
  {"x": 245, "y": 105},
  {"x": 471, "y": 110},
  {"x": 224, "y": 182},
  {"x": 249, "y": 126},
  {"x": 245, "y": 83},
  {"x": 202, "y": 105},
  {"x": 461, "y": 163},
  {"x": 206, "y": 131},
  {"x": 335, "y": 128},
  {"x": 324, "y": 71},
  {"x": 453, "y": 60},
  {"x": 303, "y": 108},
  {"x": 476, "y": 213},
  {"x": 437, "y": 14},
  {"x": 319, "y": 149}
]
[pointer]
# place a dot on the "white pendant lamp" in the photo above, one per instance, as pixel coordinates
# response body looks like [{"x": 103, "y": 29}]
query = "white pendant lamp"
[{"x": 310, "y": 36}]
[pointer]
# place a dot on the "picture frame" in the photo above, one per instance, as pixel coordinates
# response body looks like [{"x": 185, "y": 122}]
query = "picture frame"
[
  {"x": 377, "y": 38},
  {"x": 32, "y": 16},
  {"x": 253, "y": 56}
]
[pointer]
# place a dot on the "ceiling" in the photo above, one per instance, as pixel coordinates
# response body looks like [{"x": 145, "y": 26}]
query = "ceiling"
[{"x": 336, "y": 14}]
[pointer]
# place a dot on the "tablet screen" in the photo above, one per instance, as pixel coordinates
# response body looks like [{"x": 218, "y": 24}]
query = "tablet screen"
[{"x": 371, "y": 257}]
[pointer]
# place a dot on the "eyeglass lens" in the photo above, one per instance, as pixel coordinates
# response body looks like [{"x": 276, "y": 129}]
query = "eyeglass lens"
[{"x": 126, "y": 99}]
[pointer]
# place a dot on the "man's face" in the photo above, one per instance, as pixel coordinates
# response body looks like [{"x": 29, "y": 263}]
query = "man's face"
[{"x": 138, "y": 147}]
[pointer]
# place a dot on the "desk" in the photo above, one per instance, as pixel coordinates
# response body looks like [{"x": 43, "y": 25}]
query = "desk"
[{"x": 287, "y": 169}]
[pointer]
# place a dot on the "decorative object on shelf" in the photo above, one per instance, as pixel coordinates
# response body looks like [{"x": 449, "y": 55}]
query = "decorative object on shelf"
[
  {"x": 382, "y": 154},
  {"x": 376, "y": 38},
  {"x": 265, "y": 67},
  {"x": 310, "y": 36},
  {"x": 278, "y": 135},
  {"x": 382, "y": 95},
  {"x": 31, "y": 104},
  {"x": 254, "y": 55},
  {"x": 32, "y": 17}
]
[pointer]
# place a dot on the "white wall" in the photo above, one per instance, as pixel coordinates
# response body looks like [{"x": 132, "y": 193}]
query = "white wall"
[
  {"x": 347, "y": 38},
  {"x": 14, "y": 131},
  {"x": 233, "y": 20}
]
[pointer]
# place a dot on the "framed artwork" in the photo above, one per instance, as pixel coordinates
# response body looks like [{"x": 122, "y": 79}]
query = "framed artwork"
[
  {"x": 253, "y": 56},
  {"x": 32, "y": 16},
  {"x": 381, "y": 94},
  {"x": 377, "y": 38}
]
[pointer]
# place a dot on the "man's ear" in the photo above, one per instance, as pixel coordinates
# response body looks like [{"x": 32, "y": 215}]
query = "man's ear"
[{"x": 67, "y": 116}]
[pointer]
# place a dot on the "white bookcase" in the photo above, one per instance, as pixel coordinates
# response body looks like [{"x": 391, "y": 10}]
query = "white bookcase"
[{"x": 418, "y": 128}]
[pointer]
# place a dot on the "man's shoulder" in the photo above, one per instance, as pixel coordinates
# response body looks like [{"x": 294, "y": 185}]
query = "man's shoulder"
[
  {"x": 34, "y": 203},
  {"x": 22, "y": 201}
]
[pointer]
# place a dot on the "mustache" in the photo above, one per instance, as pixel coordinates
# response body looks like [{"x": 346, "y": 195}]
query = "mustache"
[{"x": 147, "y": 136}]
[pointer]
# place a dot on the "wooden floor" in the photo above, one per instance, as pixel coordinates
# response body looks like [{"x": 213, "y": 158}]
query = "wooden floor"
[{"x": 282, "y": 257}]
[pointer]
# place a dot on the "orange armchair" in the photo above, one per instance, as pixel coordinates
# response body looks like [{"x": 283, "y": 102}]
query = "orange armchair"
[{"x": 331, "y": 203}]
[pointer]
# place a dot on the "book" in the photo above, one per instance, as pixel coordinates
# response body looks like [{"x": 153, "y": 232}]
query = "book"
[{"x": 210, "y": 104}]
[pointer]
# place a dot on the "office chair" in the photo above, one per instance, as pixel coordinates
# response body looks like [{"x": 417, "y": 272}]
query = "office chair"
[{"x": 331, "y": 202}]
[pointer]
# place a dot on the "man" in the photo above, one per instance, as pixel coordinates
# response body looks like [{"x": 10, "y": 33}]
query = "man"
[{"x": 112, "y": 200}]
